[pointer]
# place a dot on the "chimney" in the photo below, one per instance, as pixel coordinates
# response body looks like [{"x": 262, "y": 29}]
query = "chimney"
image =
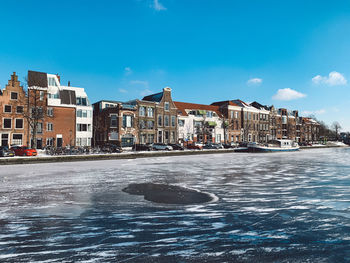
[
  {"x": 59, "y": 78},
  {"x": 68, "y": 83}
]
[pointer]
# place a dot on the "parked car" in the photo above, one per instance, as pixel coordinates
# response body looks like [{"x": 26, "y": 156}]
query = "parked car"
[
  {"x": 228, "y": 145},
  {"x": 194, "y": 147},
  {"x": 211, "y": 146},
  {"x": 5, "y": 152},
  {"x": 177, "y": 146},
  {"x": 161, "y": 147},
  {"x": 111, "y": 148},
  {"x": 142, "y": 147},
  {"x": 23, "y": 151},
  {"x": 219, "y": 145}
]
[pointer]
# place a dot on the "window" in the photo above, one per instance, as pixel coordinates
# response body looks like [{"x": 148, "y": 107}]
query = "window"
[
  {"x": 17, "y": 138},
  {"x": 49, "y": 141},
  {"x": 128, "y": 121},
  {"x": 166, "y": 106},
  {"x": 19, "y": 123},
  {"x": 41, "y": 94},
  {"x": 82, "y": 101},
  {"x": 150, "y": 112},
  {"x": 50, "y": 112},
  {"x": 142, "y": 124},
  {"x": 39, "y": 128},
  {"x": 52, "y": 81},
  {"x": 150, "y": 124},
  {"x": 150, "y": 138},
  {"x": 166, "y": 120},
  {"x": 173, "y": 119},
  {"x": 231, "y": 112},
  {"x": 209, "y": 114},
  {"x": 14, "y": 96},
  {"x": 160, "y": 120},
  {"x": 8, "y": 108},
  {"x": 82, "y": 127},
  {"x": 172, "y": 137},
  {"x": 236, "y": 114},
  {"x": 142, "y": 111},
  {"x": 166, "y": 135},
  {"x": 181, "y": 123},
  {"x": 49, "y": 126},
  {"x": 19, "y": 109},
  {"x": 7, "y": 123},
  {"x": 114, "y": 122}
]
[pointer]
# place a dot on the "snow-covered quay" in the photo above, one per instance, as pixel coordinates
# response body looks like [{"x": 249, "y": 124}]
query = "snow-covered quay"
[{"x": 284, "y": 207}]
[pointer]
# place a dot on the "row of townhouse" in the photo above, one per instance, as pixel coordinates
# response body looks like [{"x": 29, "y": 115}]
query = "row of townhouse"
[
  {"x": 158, "y": 119},
  {"x": 46, "y": 114},
  {"x": 58, "y": 115}
]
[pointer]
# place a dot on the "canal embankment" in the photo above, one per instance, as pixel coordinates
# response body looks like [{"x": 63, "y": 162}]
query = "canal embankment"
[{"x": 125, "y": 155}]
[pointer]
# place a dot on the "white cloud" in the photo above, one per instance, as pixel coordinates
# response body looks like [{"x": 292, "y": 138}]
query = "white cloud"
[
  {"x": 158, "y": 6},
  {"x": 316, "y": 112},
  {"x": 127, "y": 71},
  {"x": 123, "y": 91},
  {"x": 334, "y": 79},
  {"x": 254, "y": 82},
  {"x": 288, "y": 94}
]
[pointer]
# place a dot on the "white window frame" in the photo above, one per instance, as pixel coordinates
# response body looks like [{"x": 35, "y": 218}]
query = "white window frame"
[
  {"x": 10, "y": 108},
  {"x": 16, "y": 123},
  {"x": 49, "y": 126},
  {"x": 3, "y": 123},
  {"x": 14, "y": 93}
]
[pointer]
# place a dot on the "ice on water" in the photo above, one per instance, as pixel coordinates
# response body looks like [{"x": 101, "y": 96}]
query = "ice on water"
[{"x": 290, "y": 206}]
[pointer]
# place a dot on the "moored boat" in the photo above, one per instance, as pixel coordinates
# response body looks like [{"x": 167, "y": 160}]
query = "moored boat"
[{"x": 274, "y": 146}]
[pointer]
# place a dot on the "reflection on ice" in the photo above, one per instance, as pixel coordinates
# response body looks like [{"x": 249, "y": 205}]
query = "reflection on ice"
[{"x": 293, "y": 207}]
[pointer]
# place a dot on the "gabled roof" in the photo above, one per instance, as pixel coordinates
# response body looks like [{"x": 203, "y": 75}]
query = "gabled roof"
[
  {"x": 224, "y": 102},
  {"x": 183, "y": 106},
  {"x": 259, "y": 106},
  {"x": 157, "y": 97}
]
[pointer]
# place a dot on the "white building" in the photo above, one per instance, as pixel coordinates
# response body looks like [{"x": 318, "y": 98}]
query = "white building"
[
  {"x": 199, "y": 123},
  {"x": 67, "y": 96}
]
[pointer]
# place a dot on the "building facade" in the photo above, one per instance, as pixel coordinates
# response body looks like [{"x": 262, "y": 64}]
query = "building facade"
[
  {"x": 199, "y": 123},
  {"x": 13, "y": 103},
  {"x": 165, "y": 116}
]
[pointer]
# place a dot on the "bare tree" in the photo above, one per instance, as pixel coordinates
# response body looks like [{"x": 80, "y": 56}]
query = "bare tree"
[
  {"x": 35, "y": 112},
  {"x": 336, "y": 128}
]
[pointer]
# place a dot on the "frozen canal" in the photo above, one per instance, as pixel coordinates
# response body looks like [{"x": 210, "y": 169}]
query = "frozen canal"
[{"x": 284, "y": 207}]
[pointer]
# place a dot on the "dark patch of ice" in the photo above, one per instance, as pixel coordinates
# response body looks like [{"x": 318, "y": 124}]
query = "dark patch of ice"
[{"x": 168, "y": 194}]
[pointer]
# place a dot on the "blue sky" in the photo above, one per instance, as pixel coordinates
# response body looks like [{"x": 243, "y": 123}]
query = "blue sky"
[{"x": 293, "y": 54}]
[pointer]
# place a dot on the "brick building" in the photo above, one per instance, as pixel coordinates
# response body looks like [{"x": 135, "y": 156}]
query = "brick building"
[
  {"x": 13, "y": 125},
  {"x": 165, "y": 115},
  {"x": 66, "y": 114},
  {"x": 115, "y": 122},
  {"x": 232, "y": 115}
]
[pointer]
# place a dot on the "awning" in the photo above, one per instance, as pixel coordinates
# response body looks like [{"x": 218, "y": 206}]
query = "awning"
[
  {"x": 202, "y": 112},
  {"x": 212, "y": 123}
]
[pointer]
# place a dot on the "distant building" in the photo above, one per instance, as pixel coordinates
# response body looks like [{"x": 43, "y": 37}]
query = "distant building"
[
  {"x": 165, "y": 116},
  {"x": 13, "y": 125},
  {"x": 199, "y": 123},
  {"x": 232, "y": 115},
  {"x": 115, "y": 123}
]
